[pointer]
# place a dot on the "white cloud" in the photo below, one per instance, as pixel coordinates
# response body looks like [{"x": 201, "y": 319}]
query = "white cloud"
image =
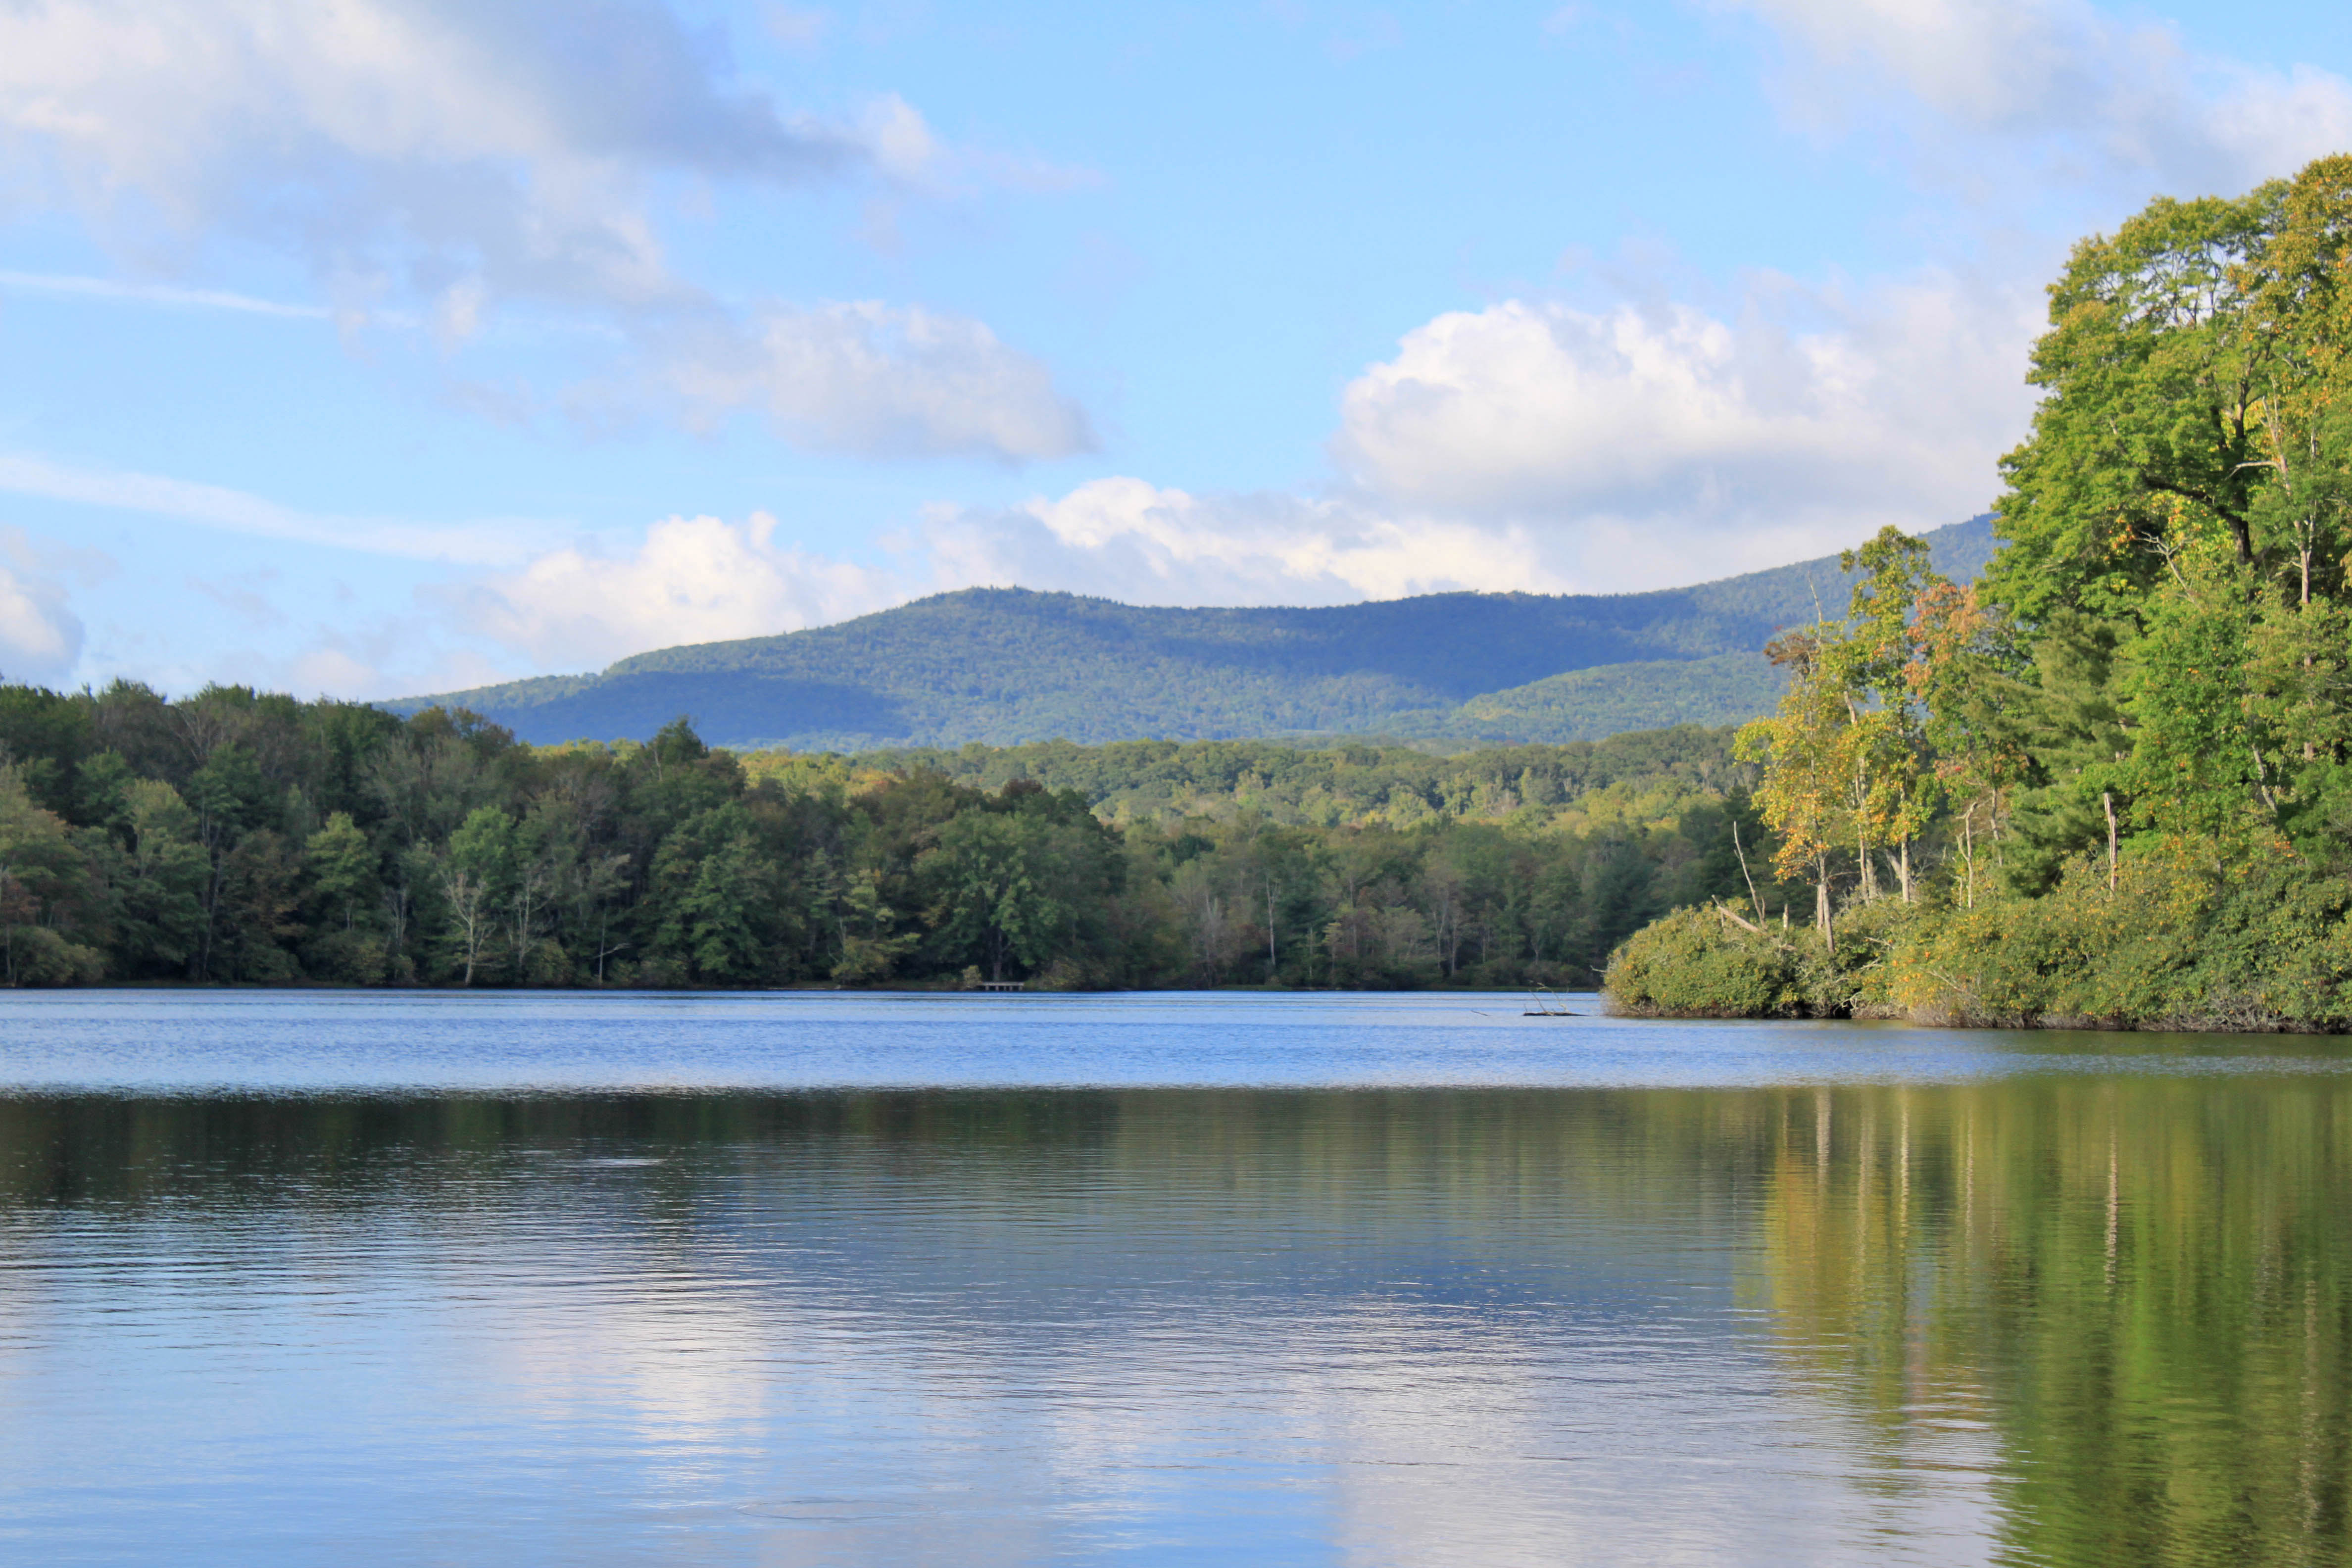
[
  {"x": 1797, "y": 422},
  {"x": 487, "y": 541},
  {"x": 459, "y": 156},
  {"x": 1538, "y": 447},
  {"x": 401, "y": 139},
  {"x": 373, "y": 656},
  {"x": 1126, "y": 538},
  {"x": 1528, "y": 447},
  {"x": 2064, "y": 84},
  {"x": 703, "y": 579},
  {"x": 902, "y": 141},
  {"x": 40, "y": 636},
  {"x": 357, "y": 654},
  {"x": 693, "y": 580},
  {"x": 333, "y": 672},
  {"x": 880, "y": 381},
  {"x": 2001, "y": 65},
  {"x": 66, "y": 286}
]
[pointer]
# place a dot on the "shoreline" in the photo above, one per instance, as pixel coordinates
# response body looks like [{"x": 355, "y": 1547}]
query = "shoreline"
[{"x": 1929, "y": 1017}]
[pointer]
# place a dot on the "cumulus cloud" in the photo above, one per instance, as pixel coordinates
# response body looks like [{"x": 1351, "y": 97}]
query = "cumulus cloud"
[
  {"x": 376, "y": 655},
  {"x": 2064, "y": 82},
  {"x": 1796, "y": 421},
  {"x": 40, "y": 636},
  {"x": 1537, "y": 447},
  {"x": 695, "y": 579},
  {"x": 1530, "y": 446},
  {"x": 703, "y": 579},
  {"x": 879, "y": 381},
  {"x": 1127, "y": 539}
]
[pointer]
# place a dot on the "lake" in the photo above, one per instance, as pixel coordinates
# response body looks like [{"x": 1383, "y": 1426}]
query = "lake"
[{"x": 836, "y": 1279}]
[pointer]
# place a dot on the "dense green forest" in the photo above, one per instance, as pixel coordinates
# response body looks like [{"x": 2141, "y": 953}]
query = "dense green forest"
[
  {"x": 1006, "y": 666},
  {"x": 1635, "y": 781},
  {"x": 2112, "y": 782},
  {"x": 240, "y": 838}
]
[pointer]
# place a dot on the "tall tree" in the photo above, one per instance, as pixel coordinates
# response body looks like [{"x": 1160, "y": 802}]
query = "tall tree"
[
  {"x": 472, "y": 874},
  {"x": 2153, "y": 373},
  {"x": 1806, "y": 747}
]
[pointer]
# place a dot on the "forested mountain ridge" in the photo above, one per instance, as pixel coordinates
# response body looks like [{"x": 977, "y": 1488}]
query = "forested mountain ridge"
[{"x": 1007, "y": 666}]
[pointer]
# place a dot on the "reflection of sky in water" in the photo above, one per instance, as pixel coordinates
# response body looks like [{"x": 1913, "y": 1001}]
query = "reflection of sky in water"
[
  {"x": 1011, "y": 1325},
  {"x": 844, "y": 1351},
  {"x": 174, "y": 1042}
]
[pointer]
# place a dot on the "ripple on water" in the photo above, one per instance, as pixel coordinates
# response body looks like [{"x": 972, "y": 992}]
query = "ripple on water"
[{"x": 1972, "y": 1309}]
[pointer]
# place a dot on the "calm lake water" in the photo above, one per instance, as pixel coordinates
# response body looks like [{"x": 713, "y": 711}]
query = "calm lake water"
[{"x": 296, "y": 1279}]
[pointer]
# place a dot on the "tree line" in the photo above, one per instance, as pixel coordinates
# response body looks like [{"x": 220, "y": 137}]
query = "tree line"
[
  {"x": 1643, "y": 776},
  {"x": 2112, "y": 782},
  {"x": 247, "y": 837}
]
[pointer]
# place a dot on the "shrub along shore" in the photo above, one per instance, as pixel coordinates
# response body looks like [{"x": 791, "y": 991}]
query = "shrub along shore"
[
  {"x": 2259, "y": 948},
  {"x": 2110, "y": 785}
]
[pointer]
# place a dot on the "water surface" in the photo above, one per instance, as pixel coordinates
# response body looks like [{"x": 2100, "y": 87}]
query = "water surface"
[{"x": 820, "y": 1279}]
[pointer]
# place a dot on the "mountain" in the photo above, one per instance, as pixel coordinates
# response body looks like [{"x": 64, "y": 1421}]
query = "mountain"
[{"x": 1006, "y": 665}]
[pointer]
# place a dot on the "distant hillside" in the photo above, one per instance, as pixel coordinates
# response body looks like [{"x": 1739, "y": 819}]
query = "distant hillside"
[
  {"x": 1006, "y": 666},
  {"x": 1648, "y": 778}
]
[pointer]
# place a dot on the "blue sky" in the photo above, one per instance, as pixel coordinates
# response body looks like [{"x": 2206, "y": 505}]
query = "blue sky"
[{"x": 384, "y": 346}]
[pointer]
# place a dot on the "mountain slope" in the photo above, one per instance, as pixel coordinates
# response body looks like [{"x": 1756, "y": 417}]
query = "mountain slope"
[
  {"x": 1005, "y": 665},
  {"x": 1608, "y": 699}
]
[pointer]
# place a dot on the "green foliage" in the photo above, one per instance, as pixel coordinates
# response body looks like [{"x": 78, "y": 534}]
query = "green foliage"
[
  {"x": 144, "y": 849},
  {"x": 2074, "y": 722},
  {"x": 999, "y": 892},
  {"x": 1703, "y": 962},
  {"x": 1645, "y": 778},
  {"x": 241, "y": 838},
  {"x": 720, "y": 913},
  {"x": 47, "y": 735},
  {"x": 42, "y": 879},
  {"x": 2260, "y": 944},
  {"x": 2163, "y": 788},
  {"x": 1605, "y": 701},
  {"x": 1696, "y": 963},
  {"x": 2138, "y": 1277},
  {"x": 2149, "y": 425},
  {"x": 342, "y": 868}
]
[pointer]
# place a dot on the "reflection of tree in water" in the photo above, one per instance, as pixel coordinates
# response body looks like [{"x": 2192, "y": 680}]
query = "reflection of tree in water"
[
  {"x": 2131, "y": 1292},
  {"x": 2139, "y": 1283}
]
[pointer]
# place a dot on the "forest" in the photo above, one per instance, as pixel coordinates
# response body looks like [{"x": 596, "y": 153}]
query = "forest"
[
  {"x": 2110, "y": 783},
  {"x": 233, "y": 836}
]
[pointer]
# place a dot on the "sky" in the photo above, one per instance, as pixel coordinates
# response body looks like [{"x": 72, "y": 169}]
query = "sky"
[{"x": 375, "y": 347}]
